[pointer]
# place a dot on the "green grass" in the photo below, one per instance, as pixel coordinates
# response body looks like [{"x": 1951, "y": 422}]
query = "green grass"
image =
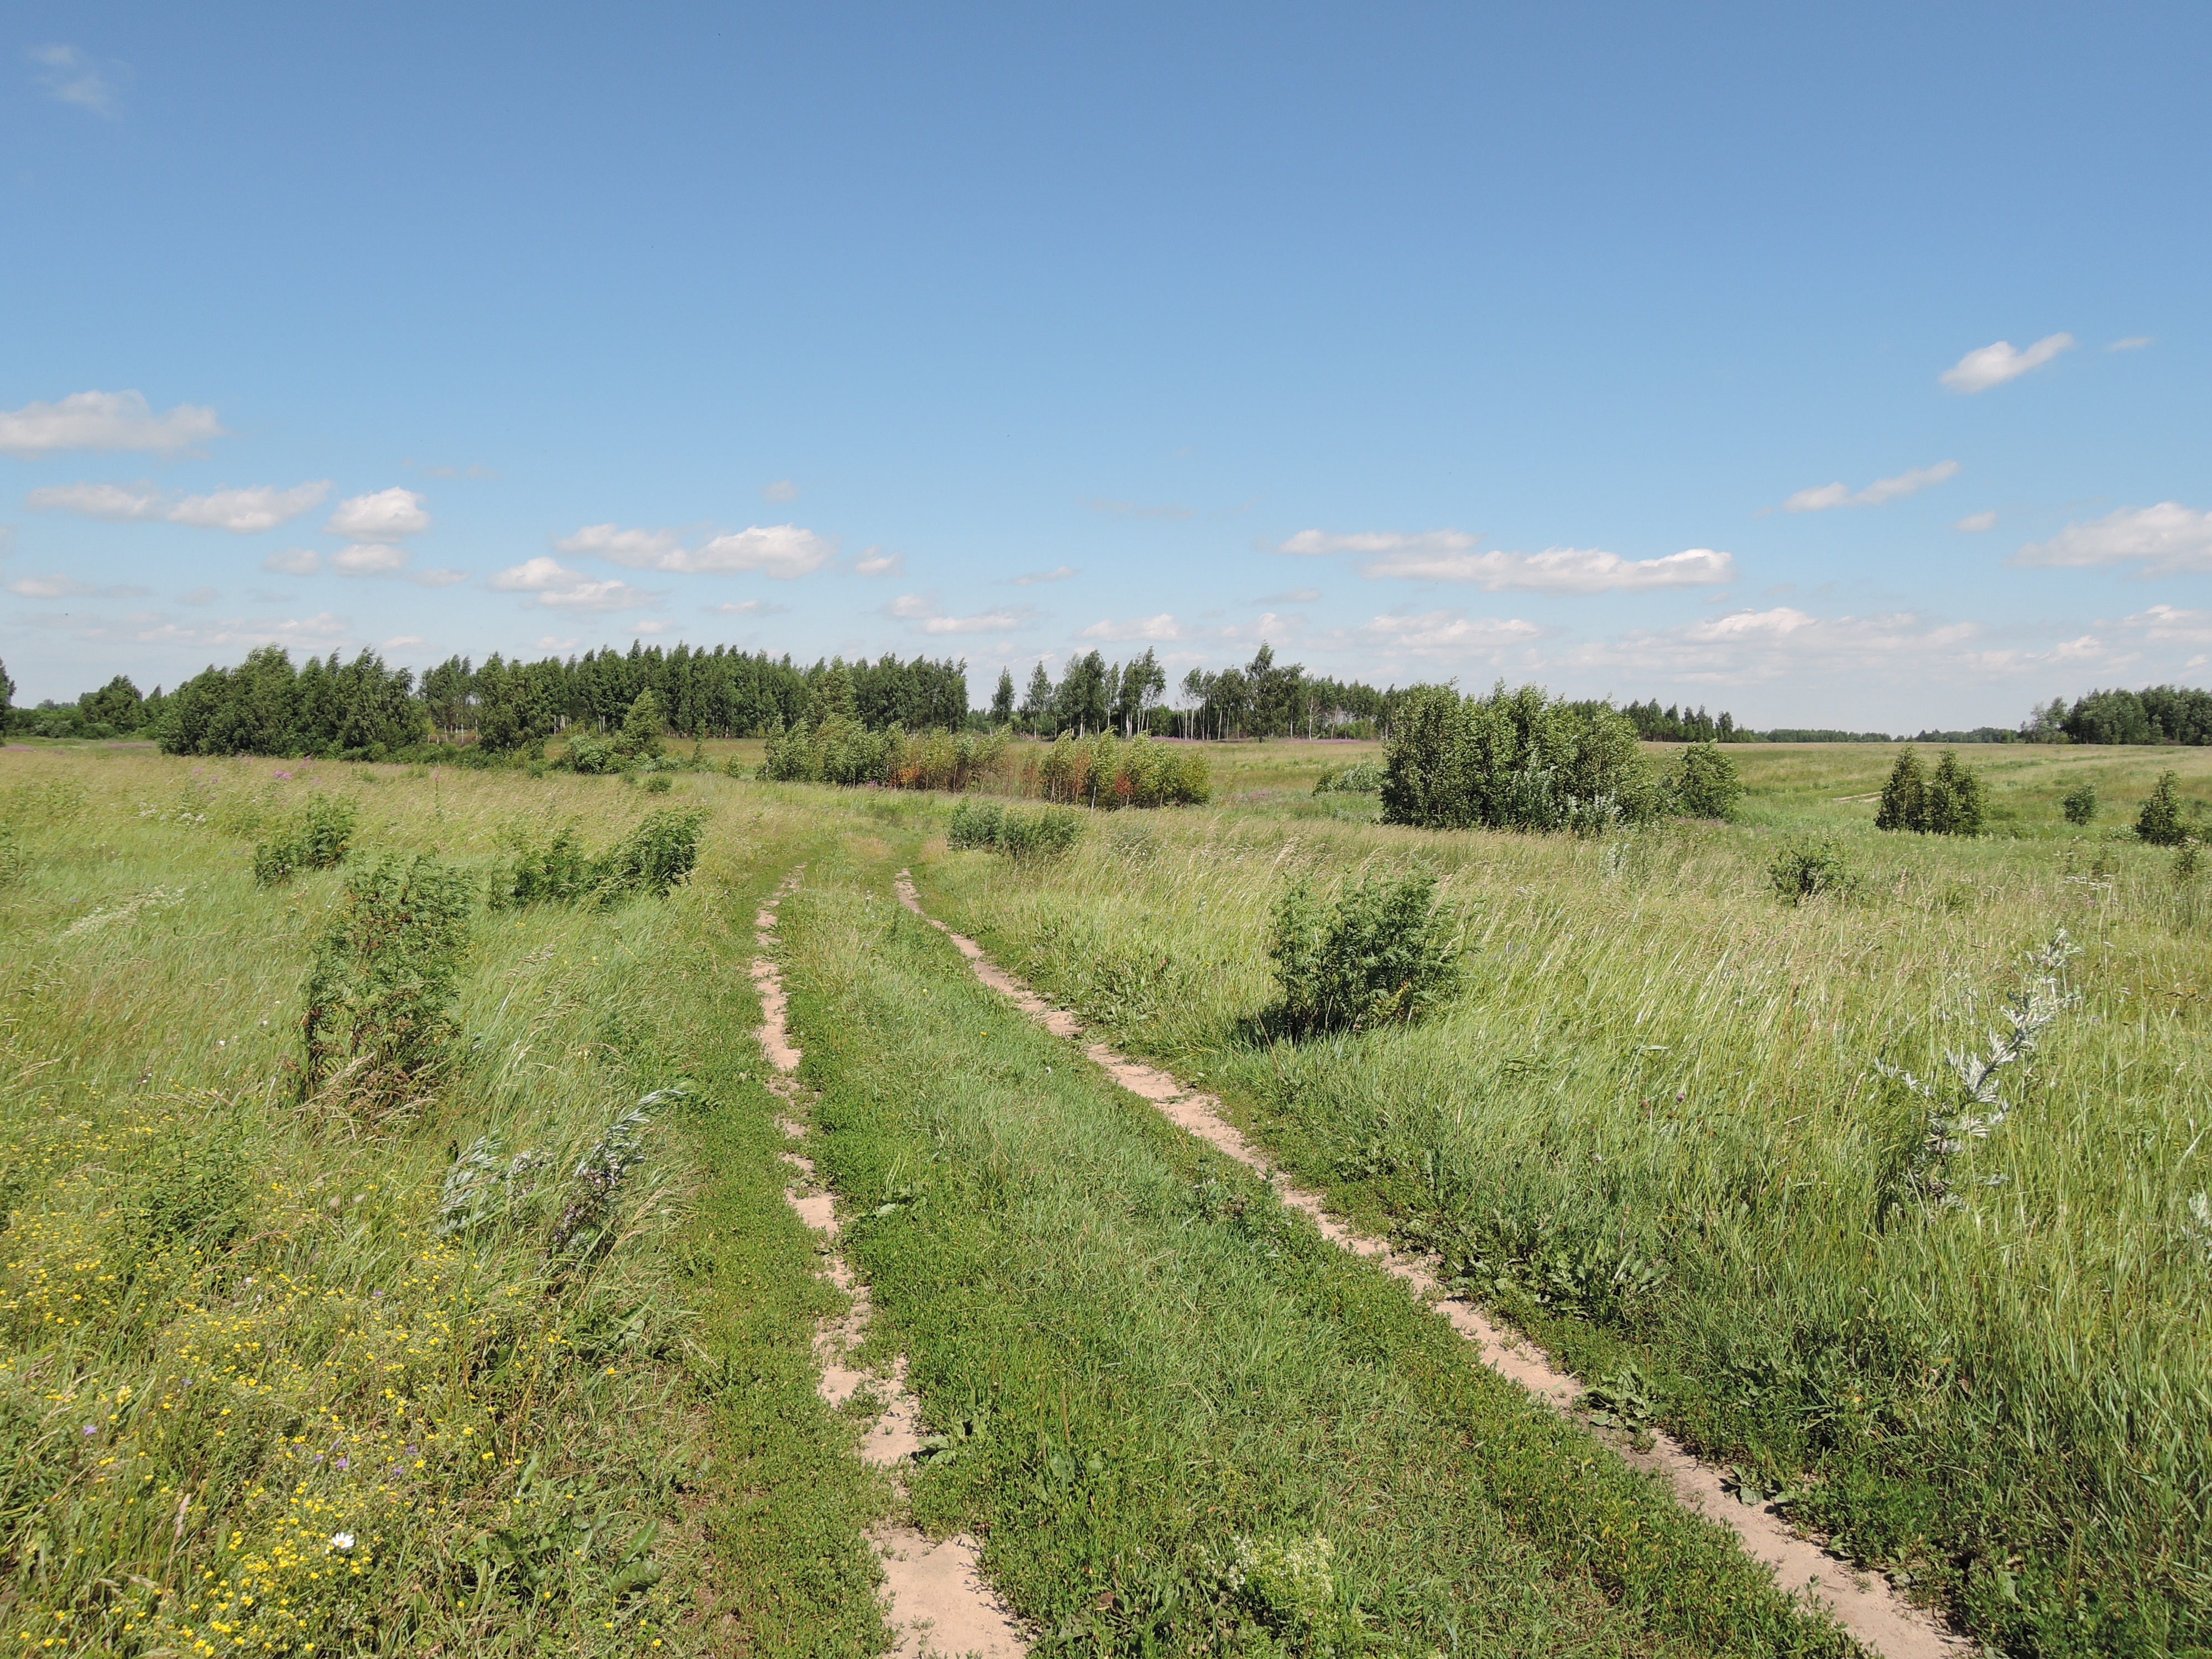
[
  {"x": 1651, "y": 1130},
  {"x": 237, "y": 1361},
  {"x": 1152, "y": 1359}
]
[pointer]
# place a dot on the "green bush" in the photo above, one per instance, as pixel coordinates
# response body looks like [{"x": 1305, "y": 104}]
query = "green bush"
[
  {"x": 991, "y": 826},
  {"x": 594, "y": 756},
  {"x": 1810, "y": 866},
  {"x": 314, "y": 838},
  {"x": 1703, "y": 782},
  {"x": 379, "y": 1023},
  {"x": 1360, "y": 778},
  {"x": 652, "y": 859},
  {"x": 2079, "y": 804},
  {"x": 2160, "y": 821},
  {"x": 1951, "y": 801},
  {"x": 1516, "y": 760},
  {"x": 552, "y": 869},
  {"x": 1384, "y": 951}
]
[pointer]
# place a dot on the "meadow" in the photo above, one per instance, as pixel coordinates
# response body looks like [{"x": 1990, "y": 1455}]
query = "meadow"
[{"x": 519, "y": 1361}]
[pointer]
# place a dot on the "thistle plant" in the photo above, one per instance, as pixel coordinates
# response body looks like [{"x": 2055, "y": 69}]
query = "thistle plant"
[
  {"x": 599, "y": 1172},
  {"x": 1977, "y": 1107}
]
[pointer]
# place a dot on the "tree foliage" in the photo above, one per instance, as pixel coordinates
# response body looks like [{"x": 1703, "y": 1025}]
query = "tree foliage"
[{"x": 1515, "y": 760}]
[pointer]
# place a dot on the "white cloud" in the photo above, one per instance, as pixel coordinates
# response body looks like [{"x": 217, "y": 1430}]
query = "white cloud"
[
  {"x": 2133, "y": 343},
  {"x": 316, "y": 633},
  {"x": 1374, "y": 543},
  {"x": 398, "y": 640},
  {"x": 925, "y": 613},
  {"x": 2168, "y": 539},
  {"x": 747, "y": 608},
  {"x": 1057, "y": 573},
  {"x": 2163, "y": 624},
  {"x": 437, "y": 578},
  {"x": 1160, "y": 629},
  {"x": 74, "y": 78},
  {"x": 1559, "y": 569},
  {"x": 781, "y": 490},
  {"x": 368, "y": 559},
  {"x": 639, "y": 549},
  {"x": 59, "y": 587},
  {"x": 1908, "y": 483},
  {"x": 1977, "y": 521},
  {"x": 1444, "y": 634},
  {"x": 473, "y": 470},
  {"x": 385, "y": 515},
  {"x": 104, "y": 420},
  {"x": 783, "y": 550},
  {"x": 1993, "y": 365},
  {"x": 261, "y": 508},
  {"x": 874, "y": 561},
  {"x": 658, "y": 625},
  {"x": 551, "y": 583},
  {"x": 293, "y": 561}
]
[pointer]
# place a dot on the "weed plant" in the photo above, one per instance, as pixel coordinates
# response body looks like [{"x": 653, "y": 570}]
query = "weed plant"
[
  {"x": 1360, "y": 778},
  {"x": 1650, "y": 1129},
  {"x": 1384, "y": 950},
  {"x": 1808, "y": 866},
  {"x": 996, "y": 828},
  {"x": 314, "y": 837}
]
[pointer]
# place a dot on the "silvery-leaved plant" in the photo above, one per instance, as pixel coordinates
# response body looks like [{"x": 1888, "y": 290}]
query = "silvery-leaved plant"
[{"x": 1978, "y": 1108}]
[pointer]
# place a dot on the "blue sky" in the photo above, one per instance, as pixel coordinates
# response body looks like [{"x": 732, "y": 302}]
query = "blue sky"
[{"x": 1840, "y": 367}]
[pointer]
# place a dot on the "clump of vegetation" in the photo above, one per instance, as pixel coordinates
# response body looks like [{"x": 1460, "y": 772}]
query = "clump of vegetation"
[
  {"x": 1288, "y": 1587},
  {"x": 315, "y": 837},
  {"x": 1703, "y": 782},
  {"x": 988, "y": 825},
  {"x": 1515, "y": 760},
  {"x": 553, "y": 868},
  {"x": 1360, "y": 778},
  {"x": 1950, "y": 801},
  {"x": 379, "y": 1024},
  {"x": 582, "y": 1228},
  {"x": 1809, "y": 865},
  {"x": 2079, "y": 804},
  {"x": 2160, "y": 822},
  {"x": 1384, "y": 951}
]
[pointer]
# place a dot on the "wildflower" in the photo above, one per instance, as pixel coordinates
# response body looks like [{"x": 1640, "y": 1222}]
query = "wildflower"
[{"x": 341, "y": 1540}]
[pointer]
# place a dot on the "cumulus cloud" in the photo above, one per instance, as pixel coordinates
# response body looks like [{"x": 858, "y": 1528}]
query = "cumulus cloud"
[
  {"x": 1444, "y": 634},
  {"x": 261, "y": 508},
  {"x": 317, "y": 633},
  {"x": 104, "y": 420},
  {"x": 928, "y": 617},
  {"x": 293, "y": 561},
  {"x": 73, "y": 78},
  {"x": 1911, "y": 482},
  {"x": 385, "y": 515},
  {"x": 368, "y": 559},
  {"x": 781, "y": 490},
  {"x": 874, "y": 561},
  {"x": 1993, "y": 365},
  {"x": 747, "y": 608},
  {"x": 1057, "y": 573},
  {"x": 2165, "y": 540},
  {"x": 549, "y": 582},
  {"x": 784, "y": 551},
  {"x": 1977, "y": 521},
  {"x": 1449, "y": 555}
]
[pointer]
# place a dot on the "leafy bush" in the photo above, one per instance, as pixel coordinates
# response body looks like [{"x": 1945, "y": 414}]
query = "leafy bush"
[
  {"x": 988, "y": 825},
  {"x": 594, "y": 756},
  {"x": 314, "y": 838},
  {"x": 659, "y": 785},
  {"x": 541, "y": 870},
  {"x": 652, "y": 857},
  {"x": 1951, "y": 801},
  {"x": 379, "y": 1022},
  {"x": 1360, "y": 778},
  {"x": 2079, "y": 804},
  {"x": 641, "y": 728},
  {"x": 1703, "y": 782},
  {"x": 1384, "y": 951},
  {"x": 1810, "y": 866},
  {"x": 1514, "y": 760},
  {"x": 2160, "y": 821}
]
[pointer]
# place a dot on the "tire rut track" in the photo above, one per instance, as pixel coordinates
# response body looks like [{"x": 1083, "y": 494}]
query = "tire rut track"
[
  {"x": 1866, "y": 1606},
  {"x": 939, "y": 1604}
]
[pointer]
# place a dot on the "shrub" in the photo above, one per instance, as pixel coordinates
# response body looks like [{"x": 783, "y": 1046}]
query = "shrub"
[
  {"x": 550, "y": 870},
  {"x": 2079, "y": 804},
  {"x": 379, "y": 1018},
  {"x": 1809, "y": 866},
  {"x": 1514, "y": 760},
  {"x": 1361, "y": 777},
  {"x": 659, "y": 785},
  {"x": 641, "y": 728},
  {"x": 652, "y": 859},
  {"x": 2160, "y": 821},
  {"x": 1951, "y": 801},
  {"x": 593, "y": 756},
  {"x": 1384, "y": 951},
  {"x": 1704, "y": 783},
  {"x": 988, "y": 825},
  {"x": 314, "y": 838}
]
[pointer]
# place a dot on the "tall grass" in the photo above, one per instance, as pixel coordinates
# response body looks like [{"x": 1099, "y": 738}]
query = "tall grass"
[{"x": 1654, "y": 1127}]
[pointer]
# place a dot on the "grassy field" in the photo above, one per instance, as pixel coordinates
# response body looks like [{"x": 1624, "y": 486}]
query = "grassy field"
[
  {"x": 1651, "y": 1129},
  {"x": 256, "y": 1395}
]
